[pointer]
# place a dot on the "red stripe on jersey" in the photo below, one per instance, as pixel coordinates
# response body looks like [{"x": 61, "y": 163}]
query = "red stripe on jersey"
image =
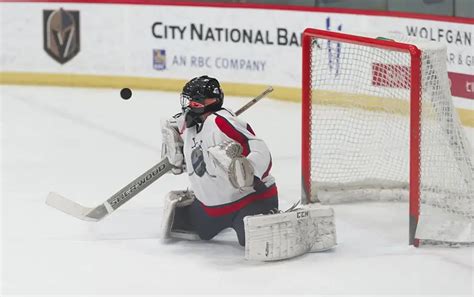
[
  {"x": 233, "y": 134},
  {"x": 220, "y": 210},
  {"x": 250, "y": 130},
  {"x": 267, "y": 172}
]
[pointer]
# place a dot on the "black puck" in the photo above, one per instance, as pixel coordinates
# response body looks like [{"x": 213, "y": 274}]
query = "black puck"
[{"x": 126, "y": 93}]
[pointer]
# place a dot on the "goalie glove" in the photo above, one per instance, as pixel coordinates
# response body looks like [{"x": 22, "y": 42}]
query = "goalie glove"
[
  {"x": 228, "y": 157},
  {"x": 172, "y": 146}
]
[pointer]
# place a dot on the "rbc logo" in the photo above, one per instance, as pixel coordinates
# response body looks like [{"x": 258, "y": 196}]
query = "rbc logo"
[{"x": 159, "y": 59}]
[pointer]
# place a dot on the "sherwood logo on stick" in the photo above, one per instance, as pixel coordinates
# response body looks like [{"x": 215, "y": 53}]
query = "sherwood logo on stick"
[
  {"x": 136, "y": 184},
  {"x": 61, "y": 34}
]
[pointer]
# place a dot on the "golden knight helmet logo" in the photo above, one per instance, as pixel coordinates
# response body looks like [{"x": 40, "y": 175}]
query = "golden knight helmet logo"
[{"x": 61, "y": 34}]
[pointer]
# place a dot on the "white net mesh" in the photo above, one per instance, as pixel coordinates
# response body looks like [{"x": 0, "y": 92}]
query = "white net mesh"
[{"x": 360, "y": 134}]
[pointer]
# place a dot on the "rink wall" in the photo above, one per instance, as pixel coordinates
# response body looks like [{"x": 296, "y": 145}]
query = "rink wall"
[{"x": 162, "y": 44}]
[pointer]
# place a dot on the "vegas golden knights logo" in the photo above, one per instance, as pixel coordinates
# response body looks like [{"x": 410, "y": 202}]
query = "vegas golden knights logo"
[{"x": 61, "y": 34}]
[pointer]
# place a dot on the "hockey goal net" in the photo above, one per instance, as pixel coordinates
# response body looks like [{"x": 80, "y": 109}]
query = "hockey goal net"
[{"x": 378, "y": 122}]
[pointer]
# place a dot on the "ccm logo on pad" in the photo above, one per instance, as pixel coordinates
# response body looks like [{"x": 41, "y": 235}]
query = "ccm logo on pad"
[{"x": 301, "y": 214}]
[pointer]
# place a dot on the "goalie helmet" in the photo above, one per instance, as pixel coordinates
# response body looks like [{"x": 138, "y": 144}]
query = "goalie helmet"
[{"x": 198, "y": 89}]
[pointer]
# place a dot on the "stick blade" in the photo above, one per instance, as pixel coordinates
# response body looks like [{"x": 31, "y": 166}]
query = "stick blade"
[{"x": 70, "y": 207}]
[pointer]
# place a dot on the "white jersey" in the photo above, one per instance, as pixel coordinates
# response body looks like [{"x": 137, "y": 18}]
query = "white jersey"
[{"x": 211, "y": 187}]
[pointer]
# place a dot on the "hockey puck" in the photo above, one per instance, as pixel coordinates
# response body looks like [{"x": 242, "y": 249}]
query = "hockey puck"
[{"x": 126, "y": 93}]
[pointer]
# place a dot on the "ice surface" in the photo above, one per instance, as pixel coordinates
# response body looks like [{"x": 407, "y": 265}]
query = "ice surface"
[{"x": 88, "y": 143}]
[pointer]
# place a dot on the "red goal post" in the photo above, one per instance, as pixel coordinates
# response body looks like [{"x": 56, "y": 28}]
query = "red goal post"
[{"x": 336, "y": 46}]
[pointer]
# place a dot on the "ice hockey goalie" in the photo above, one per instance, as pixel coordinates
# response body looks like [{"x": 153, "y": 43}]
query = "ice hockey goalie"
[{"x": 228, "y": 167}]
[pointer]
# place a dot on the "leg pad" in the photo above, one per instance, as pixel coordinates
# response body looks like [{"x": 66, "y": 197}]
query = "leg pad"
[{"x": 310, "y": 228}]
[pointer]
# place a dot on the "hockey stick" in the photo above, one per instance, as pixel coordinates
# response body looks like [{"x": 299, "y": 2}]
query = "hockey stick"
[
  {"x": 129, "y": 191},
  {"x": 118, "y": 199},
  {"x": 253, "y": 101}
]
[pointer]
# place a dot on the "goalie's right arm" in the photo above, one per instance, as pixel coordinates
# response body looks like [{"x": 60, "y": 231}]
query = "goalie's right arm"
[{"x": 172, "y": 146}]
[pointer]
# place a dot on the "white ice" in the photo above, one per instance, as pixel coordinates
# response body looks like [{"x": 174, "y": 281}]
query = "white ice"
[{"x": 88, "y": 143}]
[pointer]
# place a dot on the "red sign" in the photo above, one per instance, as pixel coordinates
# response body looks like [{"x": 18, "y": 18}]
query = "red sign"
[
  {"x": 393, "y": 76},
  {"x": 462, "y": 85},
  {"x": 398, "y": 76}
]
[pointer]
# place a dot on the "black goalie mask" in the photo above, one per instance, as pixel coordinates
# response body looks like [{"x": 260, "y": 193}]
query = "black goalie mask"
[{"x": 195, "y": 92}]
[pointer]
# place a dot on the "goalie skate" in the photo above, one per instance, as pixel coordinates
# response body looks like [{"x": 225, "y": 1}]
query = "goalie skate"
[{"x": 289, "y": 234}]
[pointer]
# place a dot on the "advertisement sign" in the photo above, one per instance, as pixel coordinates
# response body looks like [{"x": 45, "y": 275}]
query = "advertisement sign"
[{"x": 238, "y": 45}]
